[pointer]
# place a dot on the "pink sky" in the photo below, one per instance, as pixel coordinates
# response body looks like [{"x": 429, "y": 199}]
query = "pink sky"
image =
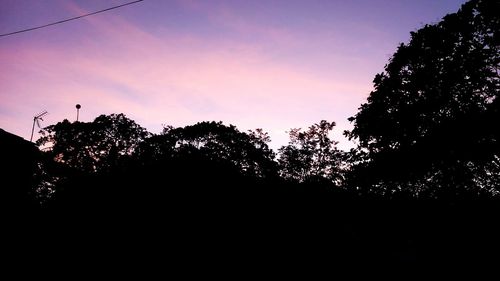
[{"x": 274, "y": 65}]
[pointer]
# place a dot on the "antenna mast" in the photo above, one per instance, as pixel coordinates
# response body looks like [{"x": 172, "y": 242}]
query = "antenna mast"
[{"x": 36, "y": 119}]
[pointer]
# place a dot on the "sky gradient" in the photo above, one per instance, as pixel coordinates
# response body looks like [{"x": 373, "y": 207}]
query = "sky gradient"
[{"x": 274, "y": 65}]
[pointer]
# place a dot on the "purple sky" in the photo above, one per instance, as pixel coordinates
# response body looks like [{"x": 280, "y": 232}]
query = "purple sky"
[{"x": 274, "y": 65}]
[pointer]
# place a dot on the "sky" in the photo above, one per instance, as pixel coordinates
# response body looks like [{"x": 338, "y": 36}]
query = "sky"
[{"x": 274, "y": 65}]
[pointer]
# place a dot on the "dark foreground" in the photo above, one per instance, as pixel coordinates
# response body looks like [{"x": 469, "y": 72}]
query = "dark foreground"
[{"x": 247, "y": 231}]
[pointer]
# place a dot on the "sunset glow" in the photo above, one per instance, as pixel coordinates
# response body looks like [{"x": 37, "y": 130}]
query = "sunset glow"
[{"x": 274, "y": 65}]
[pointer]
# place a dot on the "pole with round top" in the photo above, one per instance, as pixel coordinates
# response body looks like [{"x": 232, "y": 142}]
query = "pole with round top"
[{"x": 78, "y": 106}]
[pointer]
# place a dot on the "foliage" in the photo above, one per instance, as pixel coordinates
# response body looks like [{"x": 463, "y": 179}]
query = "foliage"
[
  {"x": 311, "y": 154},
  {"x": 428, "y": 126},
  {"x": 92, "y": 146},
  {"x": 249, "y": 153}
]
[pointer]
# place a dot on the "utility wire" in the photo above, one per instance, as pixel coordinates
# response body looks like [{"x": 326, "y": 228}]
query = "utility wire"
[{"x": 70, "y": 19}]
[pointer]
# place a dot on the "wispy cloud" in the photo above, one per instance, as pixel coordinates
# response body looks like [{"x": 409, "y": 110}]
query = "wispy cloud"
[{"x": 176, "y": 79}]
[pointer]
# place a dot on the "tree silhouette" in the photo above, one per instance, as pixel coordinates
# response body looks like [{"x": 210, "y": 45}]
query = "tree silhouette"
[
  {"x": 93, "y": 146},
  {"x": 311, "y": 155},
  {"x": 429, "y": 127},
  {"x": 248, "y": 153}
]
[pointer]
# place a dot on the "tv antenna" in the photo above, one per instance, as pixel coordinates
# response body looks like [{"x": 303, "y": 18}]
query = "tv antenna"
[
  {"x": 78, "y": 106},
  {"x": 36, "y": 119}
]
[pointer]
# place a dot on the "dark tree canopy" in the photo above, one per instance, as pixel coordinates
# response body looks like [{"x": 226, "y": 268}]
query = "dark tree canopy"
[
  {"x": 92, "y": 146},
  {"x": 311, "y": 155},
  {"x": 248, "y": 153},
  {"x": 430, "y": 124}
]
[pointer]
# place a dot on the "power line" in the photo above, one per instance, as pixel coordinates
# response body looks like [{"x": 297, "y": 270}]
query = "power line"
[{"x": 70, "y": 19}]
